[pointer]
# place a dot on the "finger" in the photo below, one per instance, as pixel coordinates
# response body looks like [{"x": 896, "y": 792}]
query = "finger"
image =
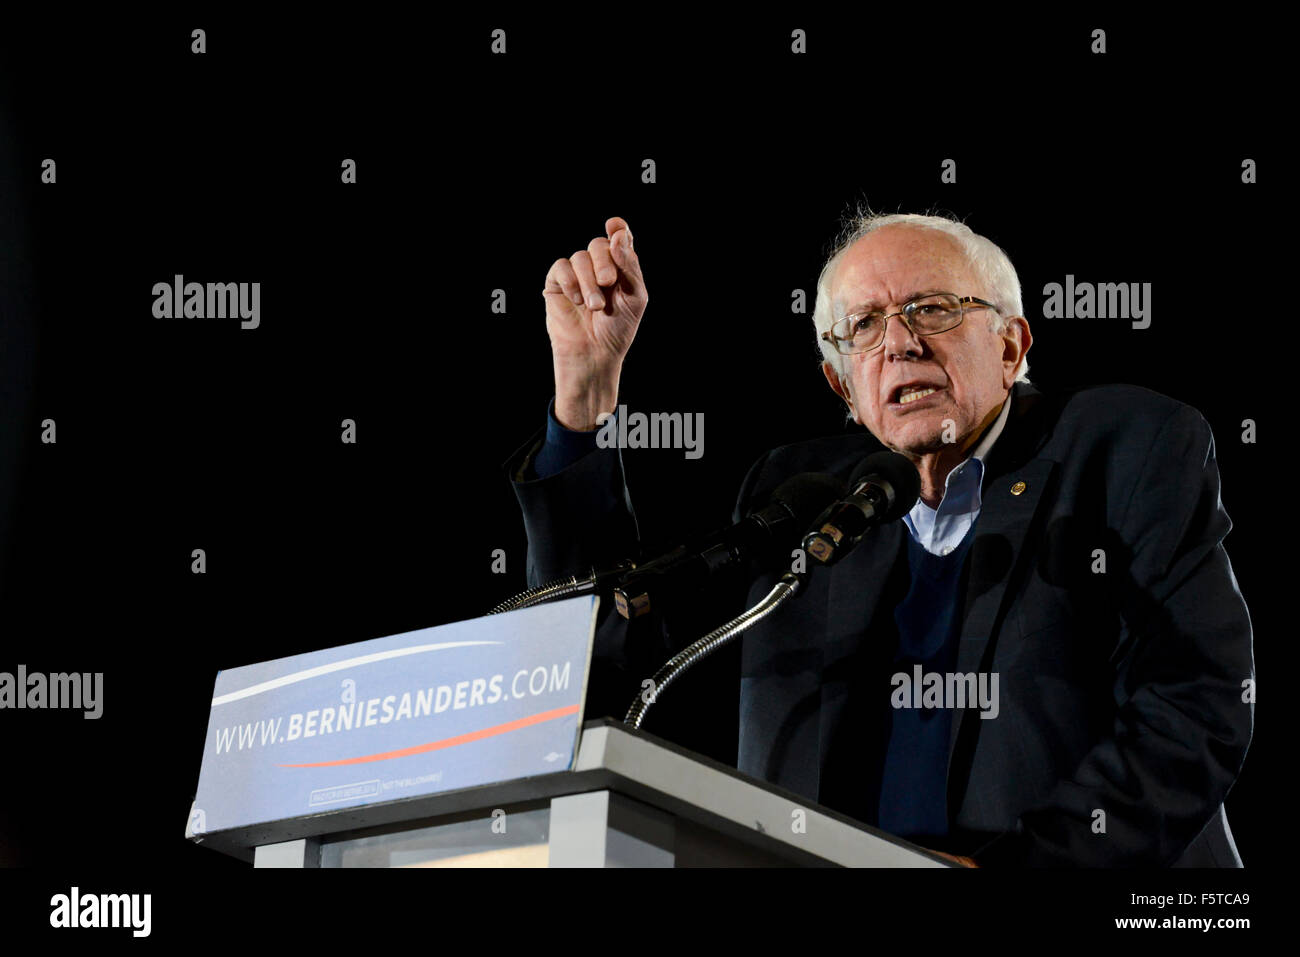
[
  {"x": 614, "y": 224},
  {"x": 581, "y": 262},
  {"x": 561, "y": 279},
  {"x": 629, "y": 264},
  {"x": 619, "y": 233},
  {"x": 602, "y": 262},
  {"x": 620, "y": 240}
]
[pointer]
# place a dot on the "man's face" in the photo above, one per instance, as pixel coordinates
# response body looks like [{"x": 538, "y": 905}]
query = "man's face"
[{"x": 965, "y": 366}]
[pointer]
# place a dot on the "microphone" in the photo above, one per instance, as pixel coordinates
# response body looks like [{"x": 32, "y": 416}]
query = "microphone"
[
  {"x": 762, "y": 533},
  {"x": 884, "y": 487}
]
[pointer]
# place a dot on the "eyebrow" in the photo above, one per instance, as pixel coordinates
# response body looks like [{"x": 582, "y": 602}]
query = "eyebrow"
[{"x": 871, "y": 306}]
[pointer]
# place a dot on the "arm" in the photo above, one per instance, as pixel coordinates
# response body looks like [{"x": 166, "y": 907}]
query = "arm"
[
  {"x": 582, "y": 516},
  {"x": 576, "y": 507}
]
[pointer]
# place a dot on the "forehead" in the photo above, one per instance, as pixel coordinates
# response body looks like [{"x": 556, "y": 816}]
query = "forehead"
[{"x": 892, "y": 264}]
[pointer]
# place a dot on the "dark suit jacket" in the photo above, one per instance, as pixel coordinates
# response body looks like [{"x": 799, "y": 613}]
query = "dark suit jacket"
[{"x": 1122, "y": 723}]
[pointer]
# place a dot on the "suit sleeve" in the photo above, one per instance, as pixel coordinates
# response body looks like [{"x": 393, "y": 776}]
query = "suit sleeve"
[
  {"x": 582, "y": 518},
  {"x": 1183, "y": 720},
  {"x": 576, "y": 518}
]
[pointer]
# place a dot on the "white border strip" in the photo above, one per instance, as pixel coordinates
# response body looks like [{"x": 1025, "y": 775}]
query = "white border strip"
[{"x": 339, "y": 666}]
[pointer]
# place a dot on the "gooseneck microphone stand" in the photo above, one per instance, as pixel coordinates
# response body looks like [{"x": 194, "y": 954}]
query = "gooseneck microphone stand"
[
  {"x": 885, "y": 485},
  {"x": 562, "y": 588},
  {"x": 781, "y": 592}
]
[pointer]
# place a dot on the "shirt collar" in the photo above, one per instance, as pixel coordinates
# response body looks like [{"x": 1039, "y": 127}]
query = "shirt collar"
[{"x": 969, "y": 474}]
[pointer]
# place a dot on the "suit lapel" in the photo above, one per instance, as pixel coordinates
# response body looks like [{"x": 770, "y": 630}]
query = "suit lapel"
[{"x": 1013, "y": 488}]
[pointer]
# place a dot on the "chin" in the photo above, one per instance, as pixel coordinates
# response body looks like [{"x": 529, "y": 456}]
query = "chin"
[{"x": 918, "y": 442}]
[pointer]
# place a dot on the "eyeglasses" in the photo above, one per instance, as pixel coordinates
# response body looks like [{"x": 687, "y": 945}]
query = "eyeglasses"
[{"x": 925, "y": 316}]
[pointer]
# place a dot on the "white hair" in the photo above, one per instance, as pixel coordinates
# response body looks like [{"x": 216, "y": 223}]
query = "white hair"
[{"x": 989, "y": 263}]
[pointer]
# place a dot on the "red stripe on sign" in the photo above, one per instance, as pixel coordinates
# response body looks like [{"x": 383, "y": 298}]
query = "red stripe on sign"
[{"x": 446, "y": 742}]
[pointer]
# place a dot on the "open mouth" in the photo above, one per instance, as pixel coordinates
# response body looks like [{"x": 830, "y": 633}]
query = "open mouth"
[{"x": 910, "y": 394}]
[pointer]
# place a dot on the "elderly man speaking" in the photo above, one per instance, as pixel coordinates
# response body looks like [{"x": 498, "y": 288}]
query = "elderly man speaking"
[{"x": 1067, "y": 549}]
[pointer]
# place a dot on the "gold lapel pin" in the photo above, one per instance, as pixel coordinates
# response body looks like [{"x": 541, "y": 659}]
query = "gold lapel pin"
[{"x": 1018, "y": 488}]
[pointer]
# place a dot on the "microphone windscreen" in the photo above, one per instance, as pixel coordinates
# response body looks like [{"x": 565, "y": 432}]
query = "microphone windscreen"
[
  {"x": 896, "y": 471},
  {"x": 807, "y": 495}
]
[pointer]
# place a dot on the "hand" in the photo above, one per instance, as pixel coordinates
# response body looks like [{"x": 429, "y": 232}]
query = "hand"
[{"x": 594, "y": 302}]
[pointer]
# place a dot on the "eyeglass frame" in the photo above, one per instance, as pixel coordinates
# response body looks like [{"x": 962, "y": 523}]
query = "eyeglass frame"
[{"x": 830, "y": 337}]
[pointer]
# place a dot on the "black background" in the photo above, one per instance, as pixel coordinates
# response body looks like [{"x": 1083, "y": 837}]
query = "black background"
[{"x": 475, "y": 172}]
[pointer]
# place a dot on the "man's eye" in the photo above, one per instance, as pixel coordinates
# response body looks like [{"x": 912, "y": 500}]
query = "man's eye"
[
  {"x": 930, "y": 309},
  {"x": 863, "y": 324}
]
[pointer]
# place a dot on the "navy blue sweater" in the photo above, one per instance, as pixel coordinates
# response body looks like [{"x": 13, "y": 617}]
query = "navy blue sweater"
[{"x": 914, "y": 768}]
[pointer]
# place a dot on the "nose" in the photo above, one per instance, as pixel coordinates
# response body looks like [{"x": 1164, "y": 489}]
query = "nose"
[{"x": 899, "y": 340}]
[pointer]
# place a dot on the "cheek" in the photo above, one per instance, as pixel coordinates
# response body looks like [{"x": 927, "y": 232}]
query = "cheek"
[
  {"x": 867, "y": 396},
  {"x": 962, "y": 370},
  {"x": 860, "y": 389}
]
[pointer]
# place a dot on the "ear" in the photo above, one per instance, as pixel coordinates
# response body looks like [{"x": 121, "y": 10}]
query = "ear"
[
  {"x": 1016, "y": 340},
  {"x": 838, "y": 386}
]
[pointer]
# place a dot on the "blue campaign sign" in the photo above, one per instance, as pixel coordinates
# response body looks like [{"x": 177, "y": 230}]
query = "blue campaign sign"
[{"x": 469, "y": 703}]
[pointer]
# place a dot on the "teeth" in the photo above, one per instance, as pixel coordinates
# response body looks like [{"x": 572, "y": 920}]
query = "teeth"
[{"x": 913, "y": 396}]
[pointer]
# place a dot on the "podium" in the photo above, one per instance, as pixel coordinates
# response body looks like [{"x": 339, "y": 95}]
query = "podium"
[{"x": 631, "y": 800}]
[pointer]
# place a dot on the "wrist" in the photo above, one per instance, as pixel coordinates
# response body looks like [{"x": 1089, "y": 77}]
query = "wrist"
[
  {"x": 583, "y": 414},
  {"x": 580, "y": 404}
]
